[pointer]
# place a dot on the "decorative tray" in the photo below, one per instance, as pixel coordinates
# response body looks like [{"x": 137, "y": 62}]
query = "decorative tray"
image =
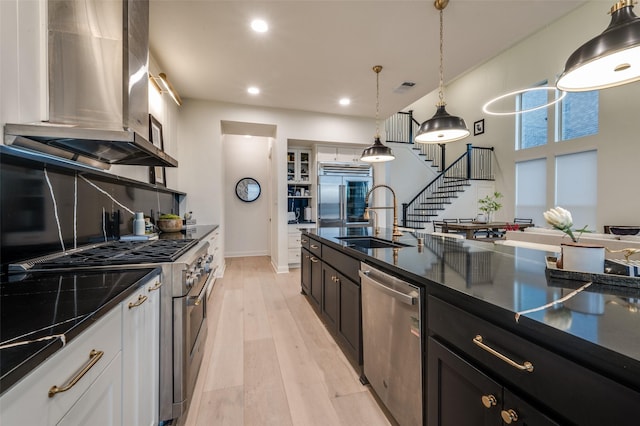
[{"x": 611, "y": 278}]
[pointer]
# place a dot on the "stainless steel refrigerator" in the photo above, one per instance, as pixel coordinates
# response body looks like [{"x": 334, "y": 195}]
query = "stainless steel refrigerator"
[{"x": 342, "y": 189}]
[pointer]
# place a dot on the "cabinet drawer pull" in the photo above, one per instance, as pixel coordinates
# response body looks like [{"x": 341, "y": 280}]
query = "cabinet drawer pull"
[
  {"x": 509, "y": 416},
  {"x": 155, "y": 287},
  {"x": 313, "y": 246},
  {"x": 305, "y": 241},
  {"x": 489, "y": 401},
  {"x": 525, "y": 366},
  {"x": 314, "y": 260},
  {"x": 94, "y": 357},
  {"x": 140, "y": 301}
]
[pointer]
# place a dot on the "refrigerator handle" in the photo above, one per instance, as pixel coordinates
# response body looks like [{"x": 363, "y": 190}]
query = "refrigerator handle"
[{"x": 343, "y": 204}]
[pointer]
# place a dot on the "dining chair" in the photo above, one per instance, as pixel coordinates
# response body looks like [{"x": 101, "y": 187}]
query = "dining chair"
[
  {"x": 465, "y": 220},
  {"x": 438, "y": 226}
]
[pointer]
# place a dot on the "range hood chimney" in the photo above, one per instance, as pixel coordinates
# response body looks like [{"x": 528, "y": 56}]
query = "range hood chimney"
[{"x": 98, "y": 56}]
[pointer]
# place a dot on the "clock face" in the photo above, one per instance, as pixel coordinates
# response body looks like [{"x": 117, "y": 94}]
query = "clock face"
[{"x": 248, "y": 189}]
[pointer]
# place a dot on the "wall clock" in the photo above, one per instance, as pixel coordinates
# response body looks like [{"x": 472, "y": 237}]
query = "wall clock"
[{"x": 248, "y": 189}]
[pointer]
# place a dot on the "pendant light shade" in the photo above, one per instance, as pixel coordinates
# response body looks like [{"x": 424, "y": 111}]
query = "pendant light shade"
[
  {"x": 442, "y": 127},
  {"x": 377, "y": 152},
  {"x": 609, "y": 59}
]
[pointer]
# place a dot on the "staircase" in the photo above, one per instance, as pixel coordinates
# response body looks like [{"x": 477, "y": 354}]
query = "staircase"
[
  {"x": 474, "y": 164},
  {"x": 401, "y": 127}
]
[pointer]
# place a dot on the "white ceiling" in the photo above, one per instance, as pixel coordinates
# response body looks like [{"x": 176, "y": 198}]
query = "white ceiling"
[{"x": 320, "y": 50}]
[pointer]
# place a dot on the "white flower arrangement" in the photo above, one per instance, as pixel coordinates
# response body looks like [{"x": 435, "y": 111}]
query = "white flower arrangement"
[{"x": 561, "y": 219}]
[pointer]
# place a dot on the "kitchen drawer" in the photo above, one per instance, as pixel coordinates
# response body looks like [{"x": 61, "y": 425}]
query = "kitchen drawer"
[
  {"x": 294, "y": 240},
  {"x": 342, "y": 262},
  {"x": 28, "y": 402},
  {"x": 315, "y": 247},
  {"x": 294, "y": 255},
  {"x": 304, "y": 241},
  {"x": 574, "y": 392}
]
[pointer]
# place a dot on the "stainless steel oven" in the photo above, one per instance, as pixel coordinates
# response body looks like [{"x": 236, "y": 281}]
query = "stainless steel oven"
[
  {"x": 189, "y": 330},
  {"x": 186, "y": 273}
]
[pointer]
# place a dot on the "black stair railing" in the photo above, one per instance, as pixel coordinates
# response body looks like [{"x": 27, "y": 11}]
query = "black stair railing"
[
  {"x": 401, "y": 128},
  {"x": 474, "y": 164}
]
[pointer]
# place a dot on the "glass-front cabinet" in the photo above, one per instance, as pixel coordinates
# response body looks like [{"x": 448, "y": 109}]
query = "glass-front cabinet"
[
  {"x": 300, "y": 192},
  {"x": 300, "y": 196},
  {"x": 298, "y": 166}
]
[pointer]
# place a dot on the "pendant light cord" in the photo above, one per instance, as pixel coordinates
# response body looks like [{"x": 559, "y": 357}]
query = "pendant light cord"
[
  {"x": 441, "y": 86},
  {"x": 377, "y": 70}
]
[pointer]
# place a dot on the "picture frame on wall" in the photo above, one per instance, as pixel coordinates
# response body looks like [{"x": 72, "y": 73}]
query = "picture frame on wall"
[
  {"x": 478, "y": 127},
  {"x": 156, "y": 173}
]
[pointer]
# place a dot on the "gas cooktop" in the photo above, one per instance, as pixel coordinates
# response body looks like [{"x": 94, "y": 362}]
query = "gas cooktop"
[{"x": 112, "y": 253}]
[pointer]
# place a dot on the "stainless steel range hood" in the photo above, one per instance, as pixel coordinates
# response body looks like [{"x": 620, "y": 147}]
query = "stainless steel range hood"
[{"x": 98, "y": 55}]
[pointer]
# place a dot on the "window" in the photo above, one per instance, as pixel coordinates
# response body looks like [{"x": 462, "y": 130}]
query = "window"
[
  {"x": 531, "y": 127},
  {"x": 576, "y": 186},
  {"x": 578, "y": 115},
  {"x": 531, "y": 189}
]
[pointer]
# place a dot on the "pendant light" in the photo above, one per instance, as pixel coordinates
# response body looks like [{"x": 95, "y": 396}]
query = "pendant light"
[
  {"x": 377, "y": 152},
  {"x": 609, "y": 59},
  {"x": 442, "y": 127}
]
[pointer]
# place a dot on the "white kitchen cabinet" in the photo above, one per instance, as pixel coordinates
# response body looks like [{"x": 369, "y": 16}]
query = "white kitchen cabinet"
[
  {"x": 140, "y": 351},
  {"x": 300, "y": 189},
  {"x": 295, "y": 242},
  {"x": 341, "y": 155},
  {"x": 216, "y": 265},
  {"x": 298, "y": 165},
  {"x": 294, "y": 245},
  {"x": 101, "y": 403},
  {"x": 98, "y": 349}
]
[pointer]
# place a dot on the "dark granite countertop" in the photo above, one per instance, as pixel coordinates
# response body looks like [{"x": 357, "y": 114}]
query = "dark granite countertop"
[
  {"x": 39, "y": 305},
  {"x": 197, "y": 232},
  {"x": 599, "y": 327}
]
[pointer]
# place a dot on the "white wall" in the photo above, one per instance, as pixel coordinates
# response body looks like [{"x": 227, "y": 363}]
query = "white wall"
[
  {"x": 542, "y": 56},
  {"x": 247, "y": 225}
]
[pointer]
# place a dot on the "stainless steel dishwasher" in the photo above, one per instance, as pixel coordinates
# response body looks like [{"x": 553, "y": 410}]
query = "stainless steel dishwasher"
[{"x": 392, "y": 351}]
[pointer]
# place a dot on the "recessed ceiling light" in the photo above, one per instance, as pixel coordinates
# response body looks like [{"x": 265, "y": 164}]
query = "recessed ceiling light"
[
  {"x": 247, "y": 136},
  {"x": 345, "y": 101},
  {"x": 259, "y": 26},
  {"x": 253, "y": 90}
]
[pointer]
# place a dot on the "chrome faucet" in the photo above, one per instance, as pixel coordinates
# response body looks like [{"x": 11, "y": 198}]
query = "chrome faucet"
[{"x": 396, "y": 231}]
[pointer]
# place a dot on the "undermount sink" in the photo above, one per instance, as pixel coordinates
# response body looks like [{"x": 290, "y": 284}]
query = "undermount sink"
[{"x": 371, "y": 242}]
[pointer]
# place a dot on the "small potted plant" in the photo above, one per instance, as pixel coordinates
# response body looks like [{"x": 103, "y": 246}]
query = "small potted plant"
[
  {"x": 489, "y": 205},
  {"x": 575, "y": 256}
]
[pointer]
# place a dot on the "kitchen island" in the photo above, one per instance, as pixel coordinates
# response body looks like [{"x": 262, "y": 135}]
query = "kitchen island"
[{"x": 585, "y": 352}]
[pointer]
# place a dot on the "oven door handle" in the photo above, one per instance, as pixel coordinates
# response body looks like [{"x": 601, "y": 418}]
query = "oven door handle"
[{"x": 197, "y": 300}]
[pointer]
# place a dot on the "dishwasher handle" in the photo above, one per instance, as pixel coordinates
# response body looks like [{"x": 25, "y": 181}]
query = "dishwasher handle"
[{"x": 398, "y": 295}]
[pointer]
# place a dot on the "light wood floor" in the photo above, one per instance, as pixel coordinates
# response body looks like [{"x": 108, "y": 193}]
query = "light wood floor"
[{"x": 270, "y": 361}]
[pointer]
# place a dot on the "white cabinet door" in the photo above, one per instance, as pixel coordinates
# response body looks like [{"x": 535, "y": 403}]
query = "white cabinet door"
[
  {"x": 326, "y": 153},
  {"x": 349, "y": 155},
  {"x": 101, "y": 404},
  {"x": 140, "y": 351},
  {"x": 28, "y": 401}
]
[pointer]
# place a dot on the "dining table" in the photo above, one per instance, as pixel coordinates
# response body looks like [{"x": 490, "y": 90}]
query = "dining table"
[{"x": 470, "y": 228}]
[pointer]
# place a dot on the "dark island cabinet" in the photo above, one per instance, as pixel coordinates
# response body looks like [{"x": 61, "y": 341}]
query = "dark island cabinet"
[
  {"x": 528, "y": 375},
  {"x": 305, "y": 271},
  {"x": 460, "y": 394},
  {"x": 330, "y": 296},
  {"x": 315, "y": 295},
  {"x": 350, "y": 316},
  {"x": 330, "y": 280}
]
